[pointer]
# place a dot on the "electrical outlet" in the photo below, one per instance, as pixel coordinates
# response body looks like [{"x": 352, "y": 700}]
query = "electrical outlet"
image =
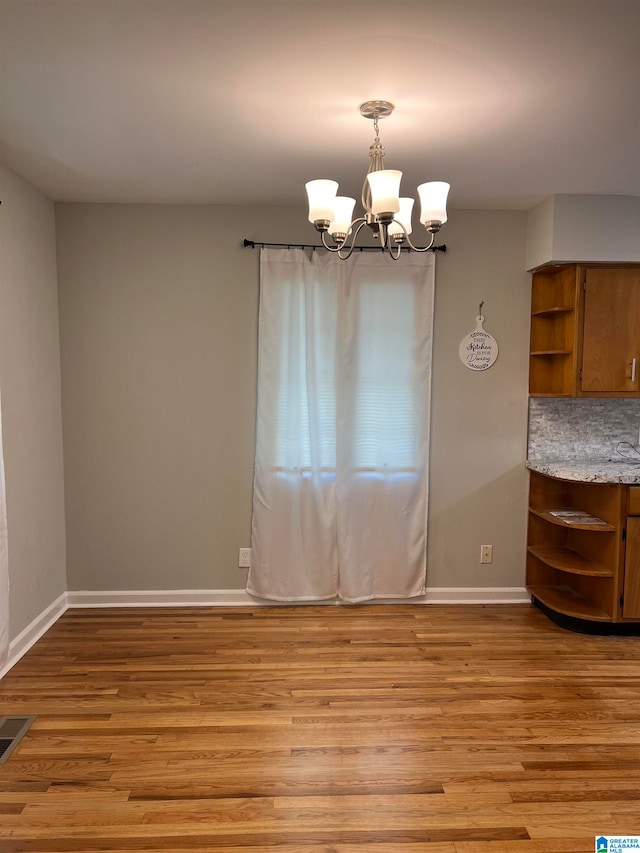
[
  {"x": 486, "y": 553},
  {"x": 244, "y": 558}
]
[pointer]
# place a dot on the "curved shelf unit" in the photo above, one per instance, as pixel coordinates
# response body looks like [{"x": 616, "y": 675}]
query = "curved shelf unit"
[{"x": 574, "y": 569}]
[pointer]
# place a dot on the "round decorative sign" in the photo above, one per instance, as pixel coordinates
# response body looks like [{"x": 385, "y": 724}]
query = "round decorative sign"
[{"x": 479, "y": 349}]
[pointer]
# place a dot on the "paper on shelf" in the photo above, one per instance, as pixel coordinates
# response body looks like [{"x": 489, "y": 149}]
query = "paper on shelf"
[{"x": 572, "y": 516}]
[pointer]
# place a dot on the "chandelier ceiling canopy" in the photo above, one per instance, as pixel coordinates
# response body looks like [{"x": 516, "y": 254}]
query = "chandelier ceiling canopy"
[{"x": 385, "y": 212}]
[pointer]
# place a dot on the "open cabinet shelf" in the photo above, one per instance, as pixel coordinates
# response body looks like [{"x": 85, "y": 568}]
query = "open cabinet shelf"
[
  {"x": 552, "y": 312},
  {"x": 567, "y": 601},
  {"x": 567, "y": 560},
  {"x": 575, "y": 569},
  {"x": 554, "y": 306},
  {"x": 546, "y": 514}
]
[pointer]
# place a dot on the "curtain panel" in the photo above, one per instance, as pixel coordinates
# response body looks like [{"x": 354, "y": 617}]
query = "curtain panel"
[{"x": 342, "y": 442}]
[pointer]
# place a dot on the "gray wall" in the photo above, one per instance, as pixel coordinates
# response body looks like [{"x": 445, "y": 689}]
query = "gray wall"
[
  {"x": 31, "y": 416},
  {"x": 158, "y": 311},
  {"x": 583, "y": 228},
  {"x": 479, "y": 484}
]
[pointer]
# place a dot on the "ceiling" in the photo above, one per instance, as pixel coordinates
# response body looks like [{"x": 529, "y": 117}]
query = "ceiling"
[{"x": 242, "y": 101}]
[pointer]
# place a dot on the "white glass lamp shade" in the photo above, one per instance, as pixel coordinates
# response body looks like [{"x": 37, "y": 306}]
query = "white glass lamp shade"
[
  {"x": 385, "y": 190},
  {"x": 343, "y": 214},
  {"x": 321, "y": 195},
  {"x": 433, "y": 201},
  {"x": 402, "y": 216}
]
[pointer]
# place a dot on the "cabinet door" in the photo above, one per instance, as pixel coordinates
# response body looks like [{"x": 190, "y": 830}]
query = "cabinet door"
[
  {"x": 611, "y": 337},
  {"x": 631, "y": 608}
]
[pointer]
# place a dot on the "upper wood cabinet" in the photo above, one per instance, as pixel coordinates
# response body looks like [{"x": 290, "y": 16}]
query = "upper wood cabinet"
[
  {"x": 585, "y": 331},
  {"x": 611, "y": 337}
]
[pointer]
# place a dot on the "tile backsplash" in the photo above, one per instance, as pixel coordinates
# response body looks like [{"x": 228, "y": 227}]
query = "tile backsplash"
[{"x": 581, "y": 428}]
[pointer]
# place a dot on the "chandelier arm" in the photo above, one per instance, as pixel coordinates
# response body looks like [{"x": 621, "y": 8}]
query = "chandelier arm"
[
  {"x": 417, "y": 248},
  {"x": 362, "y": 220},
  {"x": 391, "y": 255},
  {"x": 327, "y": 246}
]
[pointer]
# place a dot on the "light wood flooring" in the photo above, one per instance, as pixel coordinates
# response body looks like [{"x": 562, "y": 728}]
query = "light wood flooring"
[{"x": 373, "y": 729}]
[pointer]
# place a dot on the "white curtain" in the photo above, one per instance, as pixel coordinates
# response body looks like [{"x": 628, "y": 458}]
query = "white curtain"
[
  {"x": 4, "y": 567},
  {"x": 341, "y": 469}
]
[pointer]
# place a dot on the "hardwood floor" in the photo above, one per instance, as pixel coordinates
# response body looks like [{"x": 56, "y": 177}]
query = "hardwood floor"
[{"x": 373, "y": 729}]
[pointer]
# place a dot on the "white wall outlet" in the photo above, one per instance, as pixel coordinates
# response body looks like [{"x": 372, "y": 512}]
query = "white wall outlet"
[
  {"x": 244, "y": 558},
  {"x": 486, "y": 553}
]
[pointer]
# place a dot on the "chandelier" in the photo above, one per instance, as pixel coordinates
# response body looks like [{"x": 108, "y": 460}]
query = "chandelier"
[{"x": 388, "y": 215}]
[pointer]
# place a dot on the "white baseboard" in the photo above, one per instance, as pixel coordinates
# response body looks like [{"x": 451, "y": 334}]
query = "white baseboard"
[
  {"x": 478, "y": 595},
  {"x": 229, "y": 598},
  {"x": 241, "y": 598},
  {"x": 21, "y": 644},
  {"x": 162, "y": 598}
]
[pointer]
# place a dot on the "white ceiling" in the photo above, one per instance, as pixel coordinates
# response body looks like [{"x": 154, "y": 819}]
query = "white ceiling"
[{"x": 242, "y": 101}]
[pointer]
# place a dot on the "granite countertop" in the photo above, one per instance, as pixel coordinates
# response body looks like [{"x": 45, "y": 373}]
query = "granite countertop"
[{"x": 589, "y": 470}]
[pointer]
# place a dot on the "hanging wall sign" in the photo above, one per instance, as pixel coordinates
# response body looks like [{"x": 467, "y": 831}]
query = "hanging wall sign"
[{"x": 479, "y": 350}]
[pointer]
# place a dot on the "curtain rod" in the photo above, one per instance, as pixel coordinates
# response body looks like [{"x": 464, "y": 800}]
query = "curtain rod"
[{"x": 251, "y": 244}]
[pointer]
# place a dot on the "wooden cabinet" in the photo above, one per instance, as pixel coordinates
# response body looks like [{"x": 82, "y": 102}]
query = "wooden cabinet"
[
  {"x": 584, "y": 572},
  {"x": 611, "y": 330},
  {"x": 585, "y": 331},
  {"x": 631, "y": 595},
  {"x": 574, "y": 568}
]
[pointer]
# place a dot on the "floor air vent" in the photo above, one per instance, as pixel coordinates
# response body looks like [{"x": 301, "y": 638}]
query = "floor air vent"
[{"x": 12, "y": 730}]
